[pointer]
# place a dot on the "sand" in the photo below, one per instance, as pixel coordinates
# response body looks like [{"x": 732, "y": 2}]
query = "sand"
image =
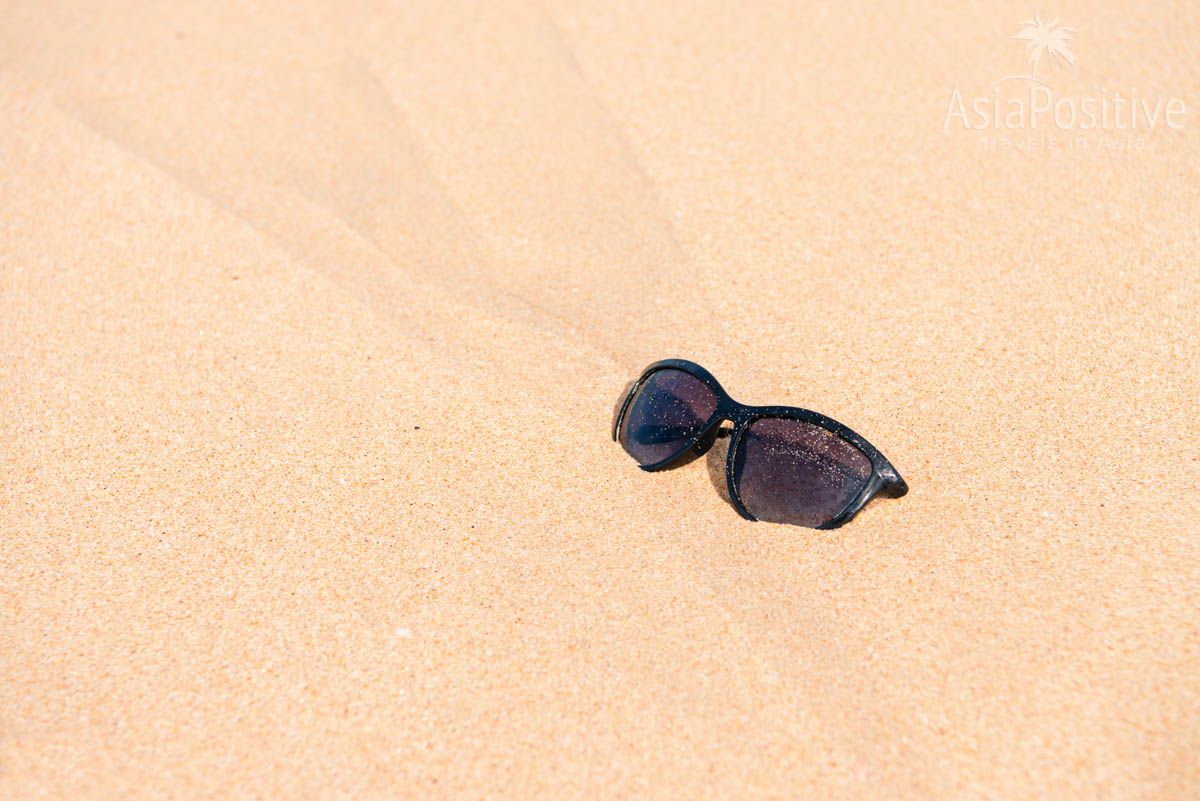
[{"x": 312, "y": 320}]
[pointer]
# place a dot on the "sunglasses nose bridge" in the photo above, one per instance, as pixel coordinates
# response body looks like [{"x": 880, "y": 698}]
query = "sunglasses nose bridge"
[
  {"x": 712, "y": 432},
  {"x": 729, "y": 408}
]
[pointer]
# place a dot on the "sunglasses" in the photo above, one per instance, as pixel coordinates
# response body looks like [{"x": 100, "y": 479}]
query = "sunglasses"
[{"x": 785, "y": 465}]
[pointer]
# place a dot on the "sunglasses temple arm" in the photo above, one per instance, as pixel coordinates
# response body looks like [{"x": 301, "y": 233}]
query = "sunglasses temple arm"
[{"x": 892, "y": 485}]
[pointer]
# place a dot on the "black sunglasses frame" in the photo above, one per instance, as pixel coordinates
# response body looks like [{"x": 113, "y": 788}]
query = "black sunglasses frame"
[{"x": 884, "y": 478}]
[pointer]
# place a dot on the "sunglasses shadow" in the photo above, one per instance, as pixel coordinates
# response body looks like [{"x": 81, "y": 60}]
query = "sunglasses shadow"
[{"x": 715, "y": 462}]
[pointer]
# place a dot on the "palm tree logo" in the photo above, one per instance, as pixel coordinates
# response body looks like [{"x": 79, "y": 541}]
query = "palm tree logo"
[{"x": 1045, "y": 39}]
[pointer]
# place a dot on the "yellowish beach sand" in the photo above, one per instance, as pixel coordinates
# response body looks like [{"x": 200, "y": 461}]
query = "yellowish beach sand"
[{"x": 312, "y": 320}]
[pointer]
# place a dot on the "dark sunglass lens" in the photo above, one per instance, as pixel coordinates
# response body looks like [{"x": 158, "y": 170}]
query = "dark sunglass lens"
[
  {"x": 790, "y": 471},
  {"x": 668, "y": 410}
]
